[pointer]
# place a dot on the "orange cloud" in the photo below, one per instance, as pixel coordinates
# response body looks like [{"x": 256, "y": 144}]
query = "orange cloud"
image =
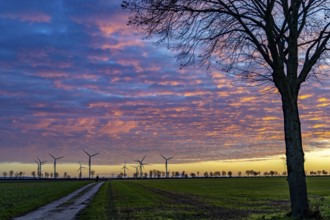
[{"x": 118, "y": 127}]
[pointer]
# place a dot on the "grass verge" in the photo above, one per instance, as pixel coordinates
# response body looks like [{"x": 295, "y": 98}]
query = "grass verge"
[{"x": 20, "y": 197}]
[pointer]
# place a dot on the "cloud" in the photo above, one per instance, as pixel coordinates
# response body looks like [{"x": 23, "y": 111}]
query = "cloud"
[
  {"x": 76, "y": 76},
  {"x": 30, "y": 17}
]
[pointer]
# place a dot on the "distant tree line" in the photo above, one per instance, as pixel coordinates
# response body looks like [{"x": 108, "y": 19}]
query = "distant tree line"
[
  {"x": 162, "y": 174},
  {"x": 12, "y": 174},
  {"x": 182, "y": 174}
]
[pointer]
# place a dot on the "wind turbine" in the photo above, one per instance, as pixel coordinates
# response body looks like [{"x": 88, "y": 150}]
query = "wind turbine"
[
  {"x": 38, "y": 171},
  {"x": 80, "y": 170},
  {"x": 141, "y": 164},
  {"x": 55, "y": 159},
  {"x": 125, "y": 167},
  {"x": 90, "y": 162},
  {"x": 166, "y": 162},
  {"x": 40, "y": 163}
]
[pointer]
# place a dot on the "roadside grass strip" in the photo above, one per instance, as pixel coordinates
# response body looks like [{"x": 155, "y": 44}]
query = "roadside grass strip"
[{"x": 20, "y": 197}]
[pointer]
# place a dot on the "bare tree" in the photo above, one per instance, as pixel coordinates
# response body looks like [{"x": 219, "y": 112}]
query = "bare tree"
[
  {"x": 4, "y": 173},
  {"x": 11, "y": 173},
  {"x": 46, "y": 175},
  {"x": 280, "y": 42}
]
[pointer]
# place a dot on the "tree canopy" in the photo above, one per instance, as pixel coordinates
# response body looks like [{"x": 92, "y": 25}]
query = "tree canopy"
[{"x": 250, "y": 37}]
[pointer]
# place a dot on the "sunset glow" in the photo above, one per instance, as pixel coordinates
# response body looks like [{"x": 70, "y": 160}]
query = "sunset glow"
[{"x": 74, "y": 76}]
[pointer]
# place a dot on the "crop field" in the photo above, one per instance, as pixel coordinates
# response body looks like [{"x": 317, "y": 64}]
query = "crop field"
[
  {"x": 19, "y": 197},
  {"x": 221, "y": 198}
]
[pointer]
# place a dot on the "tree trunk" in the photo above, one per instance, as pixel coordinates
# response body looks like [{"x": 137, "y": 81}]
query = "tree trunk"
[{"x": 295, "y": 158}]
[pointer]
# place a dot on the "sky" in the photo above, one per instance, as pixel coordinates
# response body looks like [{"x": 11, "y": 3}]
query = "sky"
[{"x": 74, "y": 76}]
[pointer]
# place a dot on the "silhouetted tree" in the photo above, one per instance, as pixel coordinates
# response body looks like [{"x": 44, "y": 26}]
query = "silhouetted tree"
[
  {"x": 92, "y": 173},
  {"x": 230, "y": 173},
  {"x": 275, "y": 41},
  {"x": 4, "y": 173},
  {"x": 324, "y": 172},
  {"x": 239, "y": 173},
  {"x": 33, "y": 173},
  {"x": 11, "y": 173},
  {"x": 183, "y": 174},
  {"x": 312, "y": 173}
]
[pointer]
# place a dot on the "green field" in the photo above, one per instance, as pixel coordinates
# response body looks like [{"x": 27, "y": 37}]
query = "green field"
[
  {"x": 221, "y": 198},
  {"x": 19, "y": 197}
]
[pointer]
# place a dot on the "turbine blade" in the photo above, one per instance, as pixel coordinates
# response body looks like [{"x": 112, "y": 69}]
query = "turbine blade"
[
  {"x": 170, "y": 158},
  {"x": 52, "y": 156},
  {"x": 144, "y": 157},
  {"x": 59, "y": 158},
  {"x": 94, "y": 154},
  {"x": 87, "y": 153},
  {"x": 163, "y": 157}
]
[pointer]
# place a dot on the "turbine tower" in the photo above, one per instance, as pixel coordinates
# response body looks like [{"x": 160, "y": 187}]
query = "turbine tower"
[
  {"x": 38, "y": 171},
  {"x": 166, "y": 162},
  {"x": 90, "y": 162},
  {"x": 55, "y": 159},
  {"x": 136, "y": 171},
  {"x": 80, "y": 170},
  {"x": 125, "y": 167},
  {"x": 141, "y": 164},
  {"x": 40, "y": 163}
]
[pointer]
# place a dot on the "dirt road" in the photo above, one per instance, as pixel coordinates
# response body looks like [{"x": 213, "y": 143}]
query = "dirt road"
[{"x": 66, "y": 207}]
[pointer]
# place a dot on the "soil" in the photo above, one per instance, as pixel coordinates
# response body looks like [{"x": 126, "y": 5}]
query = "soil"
[{"x": 67, "y": 207}]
